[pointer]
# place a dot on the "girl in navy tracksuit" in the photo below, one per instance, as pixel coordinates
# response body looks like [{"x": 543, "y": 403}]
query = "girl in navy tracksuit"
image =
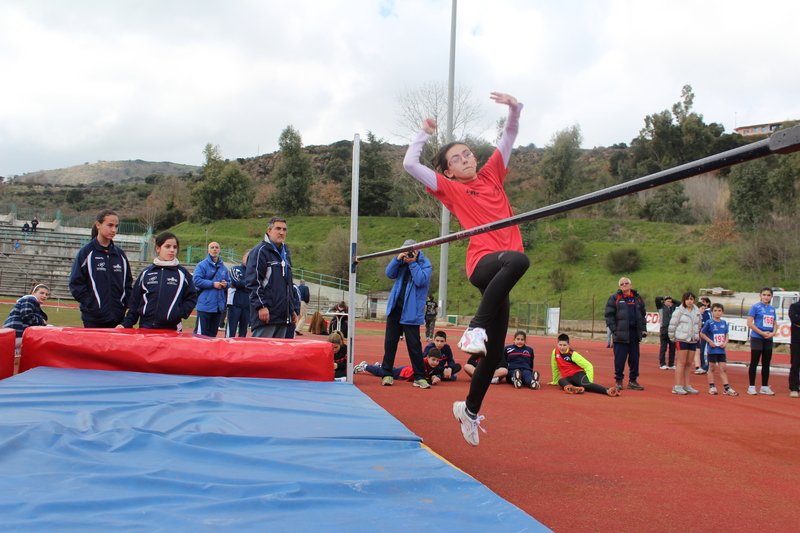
[
  {"x": 101, "y": 276},
  {"x": 164, "y": 293},
  {"x": 520, "y": 363}
]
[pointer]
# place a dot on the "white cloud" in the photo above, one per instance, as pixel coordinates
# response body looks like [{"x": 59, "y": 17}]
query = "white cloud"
[{"x": 154, "y": 80}]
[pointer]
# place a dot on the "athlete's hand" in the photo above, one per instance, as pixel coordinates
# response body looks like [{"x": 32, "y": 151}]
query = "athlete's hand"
[
  {"x": 429, "y": 126},
  {"x": 263, "y": 314},
  {"x": 507, "y": 99}
]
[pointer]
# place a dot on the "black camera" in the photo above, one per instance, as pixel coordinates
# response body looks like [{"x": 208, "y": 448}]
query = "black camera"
[{"x": 410, "y": 254}]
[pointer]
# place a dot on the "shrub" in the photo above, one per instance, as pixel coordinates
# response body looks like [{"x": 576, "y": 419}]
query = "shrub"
[
  {"x": 571, "y": 249},
  {"x": 559, "y": 279},
  {"x": 623, "y": 260}
]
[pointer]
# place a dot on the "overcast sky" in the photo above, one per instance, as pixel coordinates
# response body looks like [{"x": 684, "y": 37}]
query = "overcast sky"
[{"x": 84, "y": 81}]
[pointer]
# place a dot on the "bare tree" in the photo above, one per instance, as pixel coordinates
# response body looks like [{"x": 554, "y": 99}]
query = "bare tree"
[{"x": 430, "y": 101}]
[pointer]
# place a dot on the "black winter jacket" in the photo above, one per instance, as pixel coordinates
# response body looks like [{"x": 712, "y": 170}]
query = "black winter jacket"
[
  {"x": 620, "y": 323},
  {"x": 161, "y": 298}
]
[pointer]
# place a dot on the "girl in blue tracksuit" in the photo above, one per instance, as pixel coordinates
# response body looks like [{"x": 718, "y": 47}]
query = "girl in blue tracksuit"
[
  {"x": 101, "y": 276},
  {"x": 520, "y": 363},
  {"x": 164, "y": 294},
  {"x": 761, "y": 321}
]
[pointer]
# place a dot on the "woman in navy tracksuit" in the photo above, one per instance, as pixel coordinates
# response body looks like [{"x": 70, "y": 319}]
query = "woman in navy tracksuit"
[
  {"x": 164, "y": 293},
  {"x": 101, "y": 276}
]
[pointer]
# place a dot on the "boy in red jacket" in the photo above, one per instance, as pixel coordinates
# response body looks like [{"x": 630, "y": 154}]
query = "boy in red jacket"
[{"x": 573, "y": 373}]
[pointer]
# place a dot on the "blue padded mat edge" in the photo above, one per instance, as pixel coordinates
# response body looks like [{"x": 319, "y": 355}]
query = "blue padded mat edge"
[{"x": 91, "y": 450}]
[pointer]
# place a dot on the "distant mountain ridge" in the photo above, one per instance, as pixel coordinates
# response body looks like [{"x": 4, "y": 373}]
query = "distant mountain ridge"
[{"x": 106, "y": 171}]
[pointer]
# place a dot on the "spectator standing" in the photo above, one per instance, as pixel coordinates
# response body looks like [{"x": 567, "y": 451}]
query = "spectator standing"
[
  {"x": 701, "y": 356},
  {"x": 269, "y": 280},
  {"x": 101, "y": 279},
  {"x": 164, "y": 294},
  {"x": 665, "y": 308},
  {"x": 761, "y": 321},
  {"x": 715, "y": 333},
  {"x": 34, "y": 224},
  {"x": 684, "y": 331},
  {"x": 431, "y": 311},
  {"x": 626, "y": 318},
  {"x": 405, "y": 311},
  {"x": 211, "y": 277},
  {"x": 794, "y": 349},
  {"x": 290, "y": 328},
  {"x": 305, "y": 299},
  {"x": 239, "y": 300}
]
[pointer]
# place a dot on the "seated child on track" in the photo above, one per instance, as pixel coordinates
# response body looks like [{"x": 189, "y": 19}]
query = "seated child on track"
[
  {"x": 520, "y": 363},
  {"x": 406, "y": 373},
  {"x": 448, "y": 368},
  {"x": 499, "y": 373},
  {"x": 573, "y": 373}
]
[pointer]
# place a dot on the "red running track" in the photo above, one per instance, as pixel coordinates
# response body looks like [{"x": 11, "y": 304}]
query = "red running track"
[{"x": 648, "y": 461}]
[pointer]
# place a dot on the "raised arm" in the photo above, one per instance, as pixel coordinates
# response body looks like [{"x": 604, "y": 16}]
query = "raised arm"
[
  {"x": 411, "y": 161},
  {"x": 506, "y": 143}
]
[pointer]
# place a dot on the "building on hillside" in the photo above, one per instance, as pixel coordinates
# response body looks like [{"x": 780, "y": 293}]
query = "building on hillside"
[{"x": 758, "y": 129}]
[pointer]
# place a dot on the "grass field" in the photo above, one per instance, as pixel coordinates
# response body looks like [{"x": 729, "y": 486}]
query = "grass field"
[{"x": 673, "y": 258}]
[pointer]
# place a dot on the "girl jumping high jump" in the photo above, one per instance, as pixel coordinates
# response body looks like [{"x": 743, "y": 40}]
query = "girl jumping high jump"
[{"x": 495, "y": 260}]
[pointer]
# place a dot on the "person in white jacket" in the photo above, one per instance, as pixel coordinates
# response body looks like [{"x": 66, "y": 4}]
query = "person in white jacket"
[{"x": 684, "y": 329}]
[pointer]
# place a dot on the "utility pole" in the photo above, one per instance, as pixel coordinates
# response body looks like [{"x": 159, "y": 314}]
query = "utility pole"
[{"x": 444, "y": 251}]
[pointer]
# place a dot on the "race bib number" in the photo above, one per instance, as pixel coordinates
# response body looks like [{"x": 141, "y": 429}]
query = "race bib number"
[
  {"x": 719, "y": 340},
  {"x": 769, "y": 321}
]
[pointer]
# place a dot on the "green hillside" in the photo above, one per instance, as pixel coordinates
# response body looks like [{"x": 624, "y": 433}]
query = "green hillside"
[{"x": 673, "y": 258}]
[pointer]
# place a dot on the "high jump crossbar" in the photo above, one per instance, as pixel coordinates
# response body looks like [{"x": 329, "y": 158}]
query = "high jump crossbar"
[{"x": 781, "y": 142}]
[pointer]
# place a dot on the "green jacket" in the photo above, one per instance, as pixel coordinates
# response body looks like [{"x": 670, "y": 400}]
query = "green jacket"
[{"x": 578, "y": 359}]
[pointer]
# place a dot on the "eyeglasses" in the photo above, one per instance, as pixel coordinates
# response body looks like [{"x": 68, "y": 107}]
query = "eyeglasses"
[
  {"x": 466, "y": 154},
  {"x": 624, "y": 283}
]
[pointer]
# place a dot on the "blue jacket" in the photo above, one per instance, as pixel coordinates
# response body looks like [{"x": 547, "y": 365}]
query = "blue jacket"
[
  {"x": 416, "y": 291},
  {"x": 101, "y": 282},
  {"x": 241, "y": 296},
  {"x": 26, "y": 312},
  {"x": 161, "y": 298},
  {"x": 269, "y": 280},
  {"x": 206, "y": 272},
  {"x": 305, "y": 294}
]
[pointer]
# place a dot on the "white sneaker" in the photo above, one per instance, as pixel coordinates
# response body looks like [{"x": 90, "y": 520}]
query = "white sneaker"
[
  {"x": 751, "y": 390},
  {"x": 671, "y": 367},
  {"x": 469, "y": 426},
  {"x": 766, "y": 390},
  {"x": 495, "y": 381},
  {"x": 663, "y": 367},
  {"x": 360, "y": 367},
  {"x": 473, "y": 341},
  {"x": 712, "y": 390},
  {"x": 794, "y": 394}
]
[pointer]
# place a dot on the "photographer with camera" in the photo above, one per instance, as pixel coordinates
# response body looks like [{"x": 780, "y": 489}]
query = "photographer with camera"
[{"x": 405, "y": 312}]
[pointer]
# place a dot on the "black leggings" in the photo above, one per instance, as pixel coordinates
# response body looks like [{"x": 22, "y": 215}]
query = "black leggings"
[
  {"x": 581, "y": 380},
  {"x": 494, "y": 275},
  {"x": 760, "y": 349}
]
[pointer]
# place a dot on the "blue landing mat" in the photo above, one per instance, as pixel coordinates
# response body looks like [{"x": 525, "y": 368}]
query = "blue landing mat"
[{"x": 91, "y": 450}]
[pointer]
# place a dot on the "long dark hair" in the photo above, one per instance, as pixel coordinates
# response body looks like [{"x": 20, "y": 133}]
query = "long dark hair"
[{"x": 101, "y": 217}]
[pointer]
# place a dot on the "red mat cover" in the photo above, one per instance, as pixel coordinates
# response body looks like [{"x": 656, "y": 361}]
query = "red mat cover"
[
  {"x": 170, "y": 352},
  {"x": 8, "y": 336}
]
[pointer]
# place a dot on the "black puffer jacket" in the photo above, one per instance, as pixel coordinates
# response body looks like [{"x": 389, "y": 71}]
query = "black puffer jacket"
[{"x": 619, "y": 321}]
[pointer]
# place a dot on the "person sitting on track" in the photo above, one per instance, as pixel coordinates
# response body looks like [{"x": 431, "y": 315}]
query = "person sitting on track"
[
  {"x": 573, "y": 373},
  {"x": 433, "y": 375}
]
